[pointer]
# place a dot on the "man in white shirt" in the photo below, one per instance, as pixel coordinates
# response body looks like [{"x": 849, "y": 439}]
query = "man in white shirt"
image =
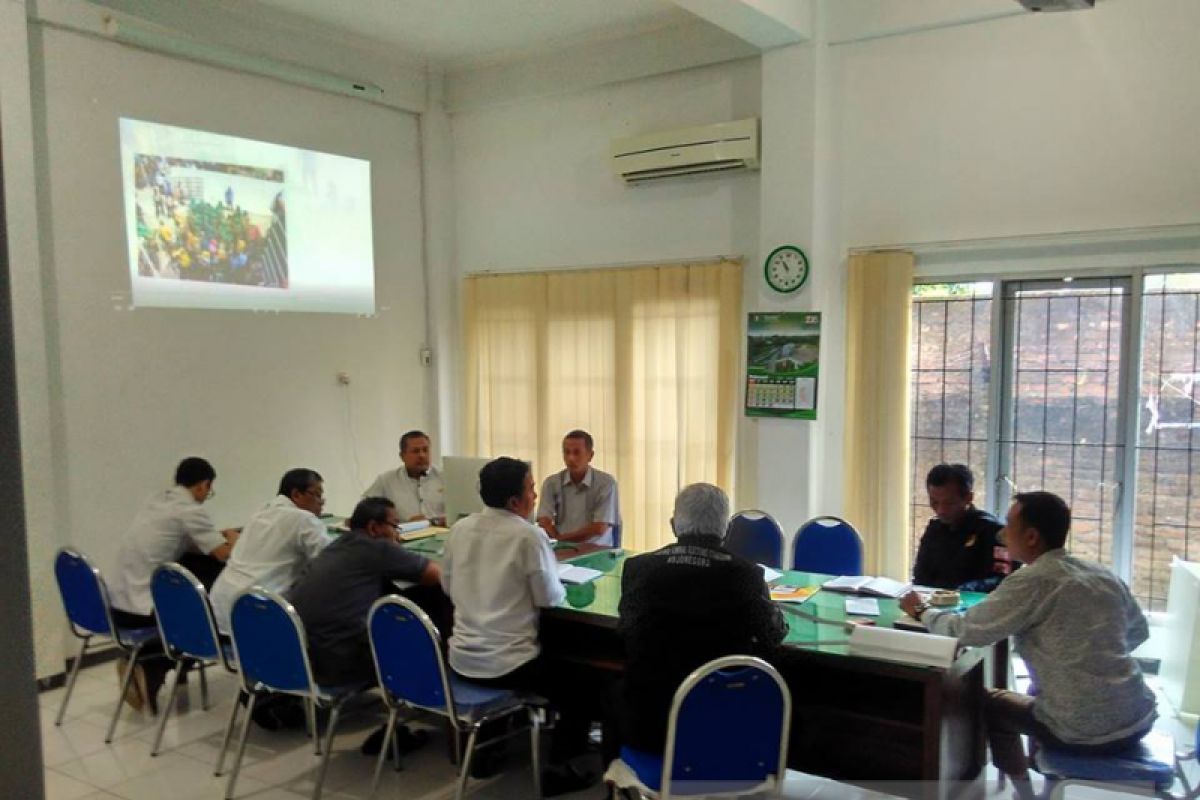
[
  {"x": 499, "y": 571},
  {"x": 168, "y": 523},
  {"x": 579, "y": 504},
  {"x": 276, "y": 544},
  {"x": 416, "y": 487}
]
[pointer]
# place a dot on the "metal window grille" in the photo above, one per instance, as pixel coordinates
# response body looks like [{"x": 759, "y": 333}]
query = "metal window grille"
[
  {"x": 950, "y": 387},
  {"x": 1061, "y": 430},
  {"x": 1167, "y": 521}
]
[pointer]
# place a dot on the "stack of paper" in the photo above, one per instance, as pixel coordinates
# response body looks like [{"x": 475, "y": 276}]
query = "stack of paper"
[
  {"x": 862, "y": 606},
  {"x": 793, "y": 594},
  {"x": 568, "y": 573}
]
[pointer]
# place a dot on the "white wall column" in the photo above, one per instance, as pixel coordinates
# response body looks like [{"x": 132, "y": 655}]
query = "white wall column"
[
  {"x": 33, "y": 333},
  {"x": 793, "y": 468}
]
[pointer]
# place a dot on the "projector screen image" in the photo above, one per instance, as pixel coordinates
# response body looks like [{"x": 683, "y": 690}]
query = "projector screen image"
[{"x": 217, "y": 221}]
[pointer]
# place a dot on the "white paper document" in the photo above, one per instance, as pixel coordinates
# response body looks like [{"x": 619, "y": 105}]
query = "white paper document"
[
  {"x": 770, "y": 574},
  {"x": 862, "y": 606},
  {"x": 906, "y": 647},
  {"x": 568, "y": 573}
]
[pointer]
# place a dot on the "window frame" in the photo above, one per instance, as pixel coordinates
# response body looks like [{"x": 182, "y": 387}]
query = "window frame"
[{"x": 1130, "y": 412}]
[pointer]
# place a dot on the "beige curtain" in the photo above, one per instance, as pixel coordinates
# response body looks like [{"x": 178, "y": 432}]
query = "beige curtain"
[
  {"x": 879, "y": 301},
  {"x": 644, "y": 359}
]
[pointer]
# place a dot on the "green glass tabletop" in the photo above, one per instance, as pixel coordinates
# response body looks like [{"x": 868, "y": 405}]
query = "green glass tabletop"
[{"x": 819, "y": 623}]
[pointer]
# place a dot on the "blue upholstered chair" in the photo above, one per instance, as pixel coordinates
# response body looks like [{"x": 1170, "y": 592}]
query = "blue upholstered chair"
[
  {"x": 1146, "y": 768},
  {"x": 829, "y": 545},
  {"x": 413, "y": 674},
  {"x": 272, "y": 656},
  {"x": 756, "y": 536},
  {"x": 89, "y": 613},
  {"x": 727, "y": 735},
  {"x": 189, "y": 636}
]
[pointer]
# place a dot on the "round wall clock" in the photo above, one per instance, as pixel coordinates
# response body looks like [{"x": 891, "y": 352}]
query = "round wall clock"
[{"x": 786, "y": 269}]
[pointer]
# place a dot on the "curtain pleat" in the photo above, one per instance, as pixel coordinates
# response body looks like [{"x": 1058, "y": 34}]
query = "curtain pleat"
[
  {"x": 645, "y": 359},
  {"x": 879, "y": 301}
]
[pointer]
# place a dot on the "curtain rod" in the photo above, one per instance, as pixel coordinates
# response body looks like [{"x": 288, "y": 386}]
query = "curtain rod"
[
  {"x": 677, "y": 262},
  {"x": 1159, "y": 233}
]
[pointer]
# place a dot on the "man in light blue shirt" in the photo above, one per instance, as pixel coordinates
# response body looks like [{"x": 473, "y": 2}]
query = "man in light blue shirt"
[{"x": 579, "y": 504}]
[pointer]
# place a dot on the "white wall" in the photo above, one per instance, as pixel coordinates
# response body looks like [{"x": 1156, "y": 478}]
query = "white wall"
[
  {"x": 131, "y": 391},
  {"x": 534, "y": 189},
  {"x": 1029, "y": 124}
]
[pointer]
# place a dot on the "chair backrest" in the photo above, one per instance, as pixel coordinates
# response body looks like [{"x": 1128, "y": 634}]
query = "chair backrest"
[
  {"x": 84, "y": 596},
  {"x": 185, "y": 618},
  {"x": 269, "y": 643},
  {"x": 756, "y": 536},
  {"x": 408, "y": 656},
  {"x": 728, "y": 728},
  {"x": 829, "y": 545}
]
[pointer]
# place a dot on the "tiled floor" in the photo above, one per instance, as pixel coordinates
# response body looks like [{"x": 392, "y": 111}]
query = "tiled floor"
[{"x": 278, "y": 766}]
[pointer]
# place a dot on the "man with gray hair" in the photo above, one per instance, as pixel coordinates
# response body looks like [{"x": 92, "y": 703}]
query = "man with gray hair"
[{"x": 684, "y": 605}]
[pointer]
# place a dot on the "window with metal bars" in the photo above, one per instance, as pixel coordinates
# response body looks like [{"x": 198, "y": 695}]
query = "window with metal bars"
[{"x": 1057, "y": 410}]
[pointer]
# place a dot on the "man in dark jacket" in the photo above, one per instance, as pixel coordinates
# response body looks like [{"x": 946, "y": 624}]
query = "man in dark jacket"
[
  {"x": 959, "y": 549},
  {"x": 681, "y": 607}
]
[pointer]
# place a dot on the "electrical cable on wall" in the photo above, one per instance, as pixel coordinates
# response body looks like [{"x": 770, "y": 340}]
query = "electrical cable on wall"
[{"x": 348, "y": 418}]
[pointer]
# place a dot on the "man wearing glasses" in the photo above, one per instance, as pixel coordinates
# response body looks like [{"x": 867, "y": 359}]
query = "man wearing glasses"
[
  {"x": 416, "y": 487},
  {"x": 336, "y": 592},
  {"x": 277, "y": 543}
]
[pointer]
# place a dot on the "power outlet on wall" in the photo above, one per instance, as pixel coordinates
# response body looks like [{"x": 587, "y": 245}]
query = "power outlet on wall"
[
  {"x": 426, "y": 356},
  {"x": 343, "y": 378}
]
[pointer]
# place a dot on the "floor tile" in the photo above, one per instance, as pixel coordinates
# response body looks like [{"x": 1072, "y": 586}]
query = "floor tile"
[
  {"x": 64, "y": 787},
  {"x": 280, "y": 765},
  {"x": 122, "y": 761}
]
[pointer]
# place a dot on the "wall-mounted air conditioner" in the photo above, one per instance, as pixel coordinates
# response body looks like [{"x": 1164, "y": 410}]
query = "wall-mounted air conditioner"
[{"x": 710, "y": 148}]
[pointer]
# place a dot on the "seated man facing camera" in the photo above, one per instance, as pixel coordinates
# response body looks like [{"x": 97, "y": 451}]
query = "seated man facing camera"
[
  {"x": 959, "y": 549},
  {"x": 1075, "y": 624}
]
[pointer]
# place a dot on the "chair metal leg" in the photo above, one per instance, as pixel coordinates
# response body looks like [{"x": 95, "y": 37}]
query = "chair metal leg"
[
  {"x": 71, "y": 680},
  {"x": 466, "y": 763},
  {"x": 241, "y": 751},
  {"x": 237, "y": 702},
  {"x": 535, "y": 741},
  {"x": 203, "y": 687},
  {"x": 166, "y": 709},
  {"x": 388, "y": 736},
  {"x": 330, "y": 730},
  {"x": 396, "y": 750},
  {"x": 455, "y": 733},
  {"x": 129, "y": 665},
  {"x": 310, "y": 710}
]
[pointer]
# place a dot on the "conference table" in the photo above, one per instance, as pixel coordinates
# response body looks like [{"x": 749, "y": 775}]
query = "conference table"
[{"x": 902, "y": 728}]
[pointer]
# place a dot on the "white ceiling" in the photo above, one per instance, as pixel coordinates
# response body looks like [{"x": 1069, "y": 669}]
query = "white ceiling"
[{"x": 461, "y": 31}]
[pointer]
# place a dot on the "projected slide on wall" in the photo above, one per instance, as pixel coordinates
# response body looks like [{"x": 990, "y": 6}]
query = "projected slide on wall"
[{"x": 217, "y": 221}]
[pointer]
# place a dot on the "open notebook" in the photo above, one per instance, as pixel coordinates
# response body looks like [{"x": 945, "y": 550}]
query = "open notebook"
[{"x": 864, "y": 584}]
